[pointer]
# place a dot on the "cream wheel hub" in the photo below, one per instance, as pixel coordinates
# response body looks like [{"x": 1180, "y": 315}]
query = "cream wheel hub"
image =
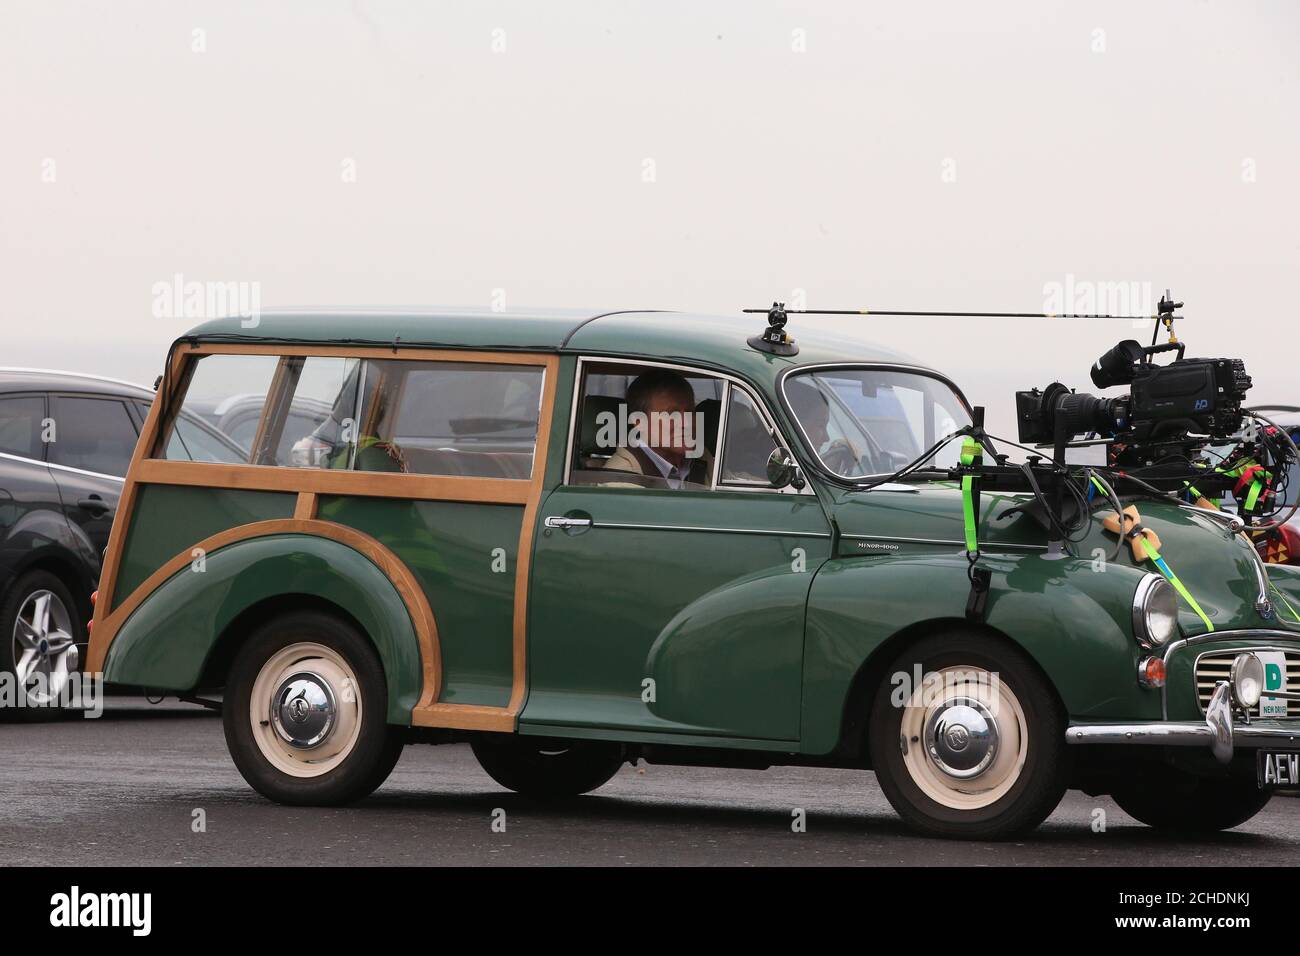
[
  {"x": 963, "y": 737},
  {"x": 305, "y": 709}
]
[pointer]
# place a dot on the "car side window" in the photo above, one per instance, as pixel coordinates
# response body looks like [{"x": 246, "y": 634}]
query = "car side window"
[
  {"x": 20, "y": 425},
  {"x": 469, "y": 419},
  {"x": 645, "y": 426},
  {"x": 223, "y": 398},
  {"x": 92, "y": 434},
  {"x": 317, "y": 427},
  {"x": 748, "y": 444}
]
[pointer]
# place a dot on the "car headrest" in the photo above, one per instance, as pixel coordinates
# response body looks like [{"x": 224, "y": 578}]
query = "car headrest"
[{"x": 592, "y": 406}]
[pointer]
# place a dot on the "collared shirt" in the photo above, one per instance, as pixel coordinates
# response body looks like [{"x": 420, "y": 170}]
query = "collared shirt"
[{"x": 675, "y": 476}]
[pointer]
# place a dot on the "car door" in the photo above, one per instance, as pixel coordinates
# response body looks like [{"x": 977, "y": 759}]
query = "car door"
[
  {"x": 29, "y": 502},
  {"x": 92, "y": 440},
  {"x": 673, "y": 610}
]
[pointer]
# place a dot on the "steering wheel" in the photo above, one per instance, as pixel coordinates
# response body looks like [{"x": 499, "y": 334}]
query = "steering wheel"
[{"x": 841, "y": 457}]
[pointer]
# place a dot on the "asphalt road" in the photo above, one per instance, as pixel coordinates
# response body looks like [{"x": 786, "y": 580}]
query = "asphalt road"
[{"x": 123, "y": 790}]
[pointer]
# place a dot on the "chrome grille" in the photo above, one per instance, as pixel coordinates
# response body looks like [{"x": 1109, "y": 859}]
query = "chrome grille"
[{"x": 1214, "y": 666}]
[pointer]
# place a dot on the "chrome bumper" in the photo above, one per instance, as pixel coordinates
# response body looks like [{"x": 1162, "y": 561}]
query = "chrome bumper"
[{"x": 1217, "y": 731}]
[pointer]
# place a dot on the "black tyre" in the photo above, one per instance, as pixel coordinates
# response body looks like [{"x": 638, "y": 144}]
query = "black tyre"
[
  {"x": 978, "y": 750},
  {"x": 42, "y": 638},
  {"x": 305, "y": 712},
  {"x": 547, "y": 770},
  {"x": 1169, "y": 799}
]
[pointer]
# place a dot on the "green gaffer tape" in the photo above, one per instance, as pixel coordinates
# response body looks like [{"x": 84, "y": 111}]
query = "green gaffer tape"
[{"x": 1178, "y": 585}]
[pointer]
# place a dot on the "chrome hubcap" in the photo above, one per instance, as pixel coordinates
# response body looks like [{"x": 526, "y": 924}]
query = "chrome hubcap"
[
  {"x": 303, "y": 710},
  {"x": 45, "y": 652},
  {"x": 961, "y": 736}
]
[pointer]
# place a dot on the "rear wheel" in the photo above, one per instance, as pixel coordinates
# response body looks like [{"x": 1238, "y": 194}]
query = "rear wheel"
[
  {"x": 305, "y": 712},
  {"x": 1169, "y": 799},
  {"x": 547, "y": 770},
  {"x": 977, "y": 751},
  {"x": 39, "y": 630}
]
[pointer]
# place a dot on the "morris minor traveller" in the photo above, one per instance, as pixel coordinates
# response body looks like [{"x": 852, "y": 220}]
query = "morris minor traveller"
[{"x": 577, "y": 541}]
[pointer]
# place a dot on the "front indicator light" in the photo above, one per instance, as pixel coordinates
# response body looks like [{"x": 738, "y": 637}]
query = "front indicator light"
[
  {"x": 1151, "y": 672},
  {"x": 1247, "y": 680}
]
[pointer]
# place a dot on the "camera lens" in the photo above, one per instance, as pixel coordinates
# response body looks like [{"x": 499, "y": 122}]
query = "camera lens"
[
  {"x": 1080, "y": 413},
  {"x": 1115, "y": 367}
]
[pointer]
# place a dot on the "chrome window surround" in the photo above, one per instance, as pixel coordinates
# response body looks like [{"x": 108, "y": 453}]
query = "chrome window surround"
[
  {"x": 729, "y": 382},
  {"x": 1267, "y": 637},
  {"x": 58, "y": 467},
  {"x": 850, "y": 366}
]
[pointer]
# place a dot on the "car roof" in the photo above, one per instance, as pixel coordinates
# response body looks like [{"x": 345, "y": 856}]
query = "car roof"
[
  {"x": 52, "y": 380},
  {"x": 716, "y": 340}
]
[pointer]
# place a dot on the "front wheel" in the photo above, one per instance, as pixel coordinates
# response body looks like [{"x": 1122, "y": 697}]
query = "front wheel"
[
  {"x": 305, "y": 711},
  {"x": 546, "y": 770},
  {"x": 977, "y": 749},
  {"x": 1168, "y": 799}
]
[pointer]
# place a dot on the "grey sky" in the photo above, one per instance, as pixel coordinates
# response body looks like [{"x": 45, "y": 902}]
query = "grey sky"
[{"x": 1164, "y": 150}]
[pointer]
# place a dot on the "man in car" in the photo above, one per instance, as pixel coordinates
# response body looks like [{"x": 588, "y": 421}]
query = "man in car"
[
  {"x": 813, "y": 410},
  {"x": 670, "y": 445}
]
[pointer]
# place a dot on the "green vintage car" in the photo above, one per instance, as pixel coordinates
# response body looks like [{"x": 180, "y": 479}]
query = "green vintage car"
[{"x": 576, "y": 541}]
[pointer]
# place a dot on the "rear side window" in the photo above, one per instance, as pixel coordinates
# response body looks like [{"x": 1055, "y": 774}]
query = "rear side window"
[
  {"x": 449, "y": 418},
  {"x": 221, "y": 411},
  {"x": 92, "y": 434},
  {"x": 20, "y": 425},
  {"x": 475, "y": 419},
  {"x": 316, "y": 426}
]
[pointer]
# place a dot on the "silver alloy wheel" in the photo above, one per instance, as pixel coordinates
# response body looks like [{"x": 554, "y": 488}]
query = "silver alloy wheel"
[{"x": 45, "y": 652}]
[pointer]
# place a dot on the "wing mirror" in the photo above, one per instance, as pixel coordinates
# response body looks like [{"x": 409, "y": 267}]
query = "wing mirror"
[{"x": 783, "y": 471}]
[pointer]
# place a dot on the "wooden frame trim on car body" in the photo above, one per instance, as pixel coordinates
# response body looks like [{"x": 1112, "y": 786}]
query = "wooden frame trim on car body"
[{"x": 309, "y": 484}]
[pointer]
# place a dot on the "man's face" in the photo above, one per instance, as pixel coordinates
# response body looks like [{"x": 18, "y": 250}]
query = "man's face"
[
  {"x": 815, "y": 417},
  {"x": 671, "y": 424}
]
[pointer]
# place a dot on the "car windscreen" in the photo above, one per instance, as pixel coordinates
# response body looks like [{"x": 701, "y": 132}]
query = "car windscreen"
[{"x": 862, "y": 421}]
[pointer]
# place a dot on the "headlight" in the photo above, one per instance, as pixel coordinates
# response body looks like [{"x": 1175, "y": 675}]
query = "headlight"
[
  {"x": 1247, "y": 680},
  {"x": 1155, "y": 611}
]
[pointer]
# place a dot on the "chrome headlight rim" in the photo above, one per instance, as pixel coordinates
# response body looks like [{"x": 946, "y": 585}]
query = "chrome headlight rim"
[{"x": 1151, "y": 589}]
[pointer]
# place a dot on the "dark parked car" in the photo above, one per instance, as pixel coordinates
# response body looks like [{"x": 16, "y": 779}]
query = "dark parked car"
[{"x": 65, "y": 443}]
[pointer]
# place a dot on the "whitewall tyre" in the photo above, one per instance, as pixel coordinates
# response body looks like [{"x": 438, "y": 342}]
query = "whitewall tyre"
[
  {"x": 305, "y": 712},
  {"x": 977, "y": 750}
]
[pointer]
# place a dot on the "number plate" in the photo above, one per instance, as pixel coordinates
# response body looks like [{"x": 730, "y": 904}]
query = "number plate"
[
  {"x": 1278, "y": 771},
  {"x": 1274, "y": 679}
]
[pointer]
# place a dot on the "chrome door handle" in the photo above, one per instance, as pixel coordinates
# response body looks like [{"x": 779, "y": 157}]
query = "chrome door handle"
[{"x": 568, "y": 522}]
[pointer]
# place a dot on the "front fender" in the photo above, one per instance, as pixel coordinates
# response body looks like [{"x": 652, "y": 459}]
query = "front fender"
[
  {"x": 1074, "y": 621},
  {"x": 167, "y": 641},
  {"x": 732, "y": 657}
]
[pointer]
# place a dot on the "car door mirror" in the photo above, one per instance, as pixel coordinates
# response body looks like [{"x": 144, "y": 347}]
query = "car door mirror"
[{"x": 783, "y": 470}]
